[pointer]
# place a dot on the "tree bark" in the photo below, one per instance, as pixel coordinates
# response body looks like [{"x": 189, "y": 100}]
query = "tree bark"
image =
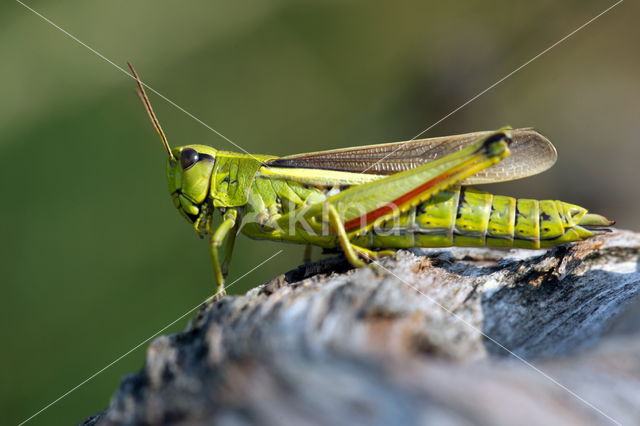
[{"x": 439, "y": 336}]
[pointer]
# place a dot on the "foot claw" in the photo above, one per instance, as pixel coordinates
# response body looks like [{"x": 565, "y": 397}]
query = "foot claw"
[
  {"x": 371, "y": 255},
  {"x": 219, "y": 294}
]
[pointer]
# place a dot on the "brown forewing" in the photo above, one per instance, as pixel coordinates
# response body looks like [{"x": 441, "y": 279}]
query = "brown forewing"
[{"x": 531, "y": 153}]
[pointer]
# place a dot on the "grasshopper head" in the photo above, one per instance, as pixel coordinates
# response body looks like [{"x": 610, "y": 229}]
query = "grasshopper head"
[
  {"x": 189, "y": 176},
  {"x": 188, "y": 170}
]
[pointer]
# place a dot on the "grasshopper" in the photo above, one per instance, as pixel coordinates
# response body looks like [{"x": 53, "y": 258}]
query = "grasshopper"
[{"x": 369, "y": 200}]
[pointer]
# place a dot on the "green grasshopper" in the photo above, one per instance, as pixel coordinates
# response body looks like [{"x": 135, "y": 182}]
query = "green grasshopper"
[{"x": 367, "y": 200}]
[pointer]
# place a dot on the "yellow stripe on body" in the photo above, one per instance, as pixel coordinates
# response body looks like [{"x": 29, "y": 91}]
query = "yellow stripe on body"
[{"x": 317, "y": 177}]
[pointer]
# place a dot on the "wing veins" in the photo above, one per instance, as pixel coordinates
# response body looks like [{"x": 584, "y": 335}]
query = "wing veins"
[{"x": 531, "y": 154}]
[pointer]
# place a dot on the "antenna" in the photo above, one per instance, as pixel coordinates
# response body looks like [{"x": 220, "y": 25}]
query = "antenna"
[{"x": 152, "y": 115}]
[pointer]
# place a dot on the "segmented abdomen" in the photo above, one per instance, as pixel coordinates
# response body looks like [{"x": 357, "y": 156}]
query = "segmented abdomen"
[{"x": 469, "y": 217}]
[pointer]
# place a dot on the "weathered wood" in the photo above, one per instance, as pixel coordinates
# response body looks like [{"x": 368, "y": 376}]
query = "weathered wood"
[{"x": 410, "y": 343}]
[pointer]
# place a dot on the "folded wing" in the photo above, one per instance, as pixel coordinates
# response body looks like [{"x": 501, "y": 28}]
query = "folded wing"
[{"x": 531, "y": 153}]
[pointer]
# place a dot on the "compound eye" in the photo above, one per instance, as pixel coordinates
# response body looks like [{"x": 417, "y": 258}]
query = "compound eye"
[{"x": 188, "y": 157}]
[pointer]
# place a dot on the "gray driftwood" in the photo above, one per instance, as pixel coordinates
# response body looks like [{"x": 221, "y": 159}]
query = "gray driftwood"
[{"x": 437, "y": 337}]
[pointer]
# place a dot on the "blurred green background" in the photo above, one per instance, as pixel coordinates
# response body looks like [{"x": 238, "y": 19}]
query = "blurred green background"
[{"x": 94, "y": 256}]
